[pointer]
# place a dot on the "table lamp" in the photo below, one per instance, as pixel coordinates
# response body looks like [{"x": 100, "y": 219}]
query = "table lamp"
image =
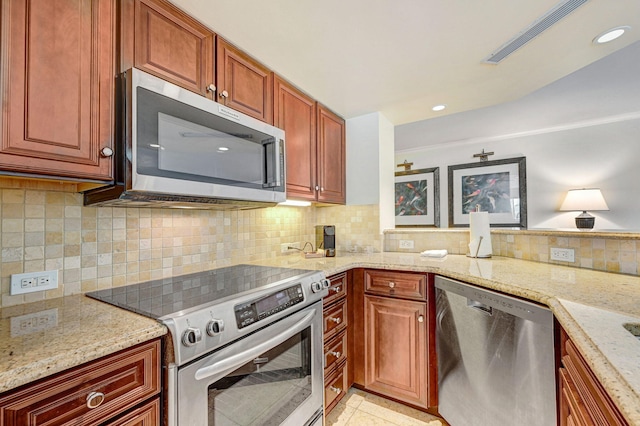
[{"x": 582, "y": 200}]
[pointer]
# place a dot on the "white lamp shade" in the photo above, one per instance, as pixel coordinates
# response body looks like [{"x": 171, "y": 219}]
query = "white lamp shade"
[{"x": 584, "y": 199}]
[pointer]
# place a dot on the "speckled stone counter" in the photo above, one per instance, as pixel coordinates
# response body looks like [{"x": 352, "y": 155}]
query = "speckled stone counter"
[
  {"x": 42, "y": 338},
  {"x": 591, "y": 306}
]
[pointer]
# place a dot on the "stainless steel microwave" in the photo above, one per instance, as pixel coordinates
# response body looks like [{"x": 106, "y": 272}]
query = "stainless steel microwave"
[{"x": 179, "y": 149}]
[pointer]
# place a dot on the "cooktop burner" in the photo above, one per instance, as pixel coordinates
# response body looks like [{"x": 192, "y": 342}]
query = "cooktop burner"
[{"x": 167, "y": 296}]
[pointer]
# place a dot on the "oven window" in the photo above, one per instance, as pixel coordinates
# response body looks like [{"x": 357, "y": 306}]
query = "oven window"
[{"x": 266, "y": 390}]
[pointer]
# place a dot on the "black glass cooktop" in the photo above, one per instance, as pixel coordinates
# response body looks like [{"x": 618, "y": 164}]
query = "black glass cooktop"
[{"x": 167, "y": 296}]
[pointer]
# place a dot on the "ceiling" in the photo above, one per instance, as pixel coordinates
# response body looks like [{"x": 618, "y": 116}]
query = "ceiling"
[{"x": 402, "y": 57}]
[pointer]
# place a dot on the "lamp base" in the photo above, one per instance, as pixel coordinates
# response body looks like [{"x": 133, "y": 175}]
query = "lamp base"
[{"x": 585, "y": 221}]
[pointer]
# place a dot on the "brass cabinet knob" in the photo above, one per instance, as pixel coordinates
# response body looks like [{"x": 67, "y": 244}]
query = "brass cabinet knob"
[
  {"x": 421, "y": 318},
  {"x": 224, "y": 94},
  {"x": 392, "y": 284},
  {"x": 211, "y": 88}
]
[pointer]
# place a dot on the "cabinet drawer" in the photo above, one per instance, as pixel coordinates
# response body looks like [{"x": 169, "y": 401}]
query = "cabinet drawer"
[
  {"x": 146, "y": 415},
  {"x": 335, "y": 352},
  {"x": 335, "y": 388},
  {"x": 398, "y": 284},
  {"x": 335, "y": 320},
  {"x": 121, "y": 380},
  {"x": 338, "y": 289}
]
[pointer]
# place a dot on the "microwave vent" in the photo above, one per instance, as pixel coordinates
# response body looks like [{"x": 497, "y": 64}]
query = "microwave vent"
[{"x": 555, "y": 14}]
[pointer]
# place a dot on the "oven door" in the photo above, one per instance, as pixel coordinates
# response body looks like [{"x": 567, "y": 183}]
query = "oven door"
[{"x": 272, "y": 377}]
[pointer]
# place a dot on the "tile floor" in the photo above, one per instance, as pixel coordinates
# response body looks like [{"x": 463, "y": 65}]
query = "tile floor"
[{"x": 360, "y": 408}]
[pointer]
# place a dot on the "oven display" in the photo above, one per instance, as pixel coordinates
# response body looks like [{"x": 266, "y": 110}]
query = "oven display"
[{"x": 252, "y": 312}]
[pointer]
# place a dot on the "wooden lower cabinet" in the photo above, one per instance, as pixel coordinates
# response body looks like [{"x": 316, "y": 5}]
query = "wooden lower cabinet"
[
  {"x": 146, "y": 415},
  {"x": 396, "y": 356},
  {"x": 582, "y": 399},
  {"x": 93, "y": 393},
  {"x": 393, "y": 316},
  {"x": 336, "y": 369}
]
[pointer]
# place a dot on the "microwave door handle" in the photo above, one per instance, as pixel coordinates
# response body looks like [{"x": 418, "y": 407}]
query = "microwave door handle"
[
  {"x": 273, "y": 150},
  {"x": 227, "y": 362}
]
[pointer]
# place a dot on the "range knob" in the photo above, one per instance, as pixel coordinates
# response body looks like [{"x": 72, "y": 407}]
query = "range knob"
[
  {"x": 316, "y": 286},
  {"x": 325, "y": 283},
  {"x": 215, "y": 326},
  {"x": 191, "y": 336}
]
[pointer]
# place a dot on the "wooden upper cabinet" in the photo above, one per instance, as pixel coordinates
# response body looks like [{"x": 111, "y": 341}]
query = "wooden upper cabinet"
[
  {"x": 57, "y": 87},
  {"x": 331, "y": 157},
  {"x": 243, "y": 83},
  {"x": 295, "y": 113},
  {"x": 173, "y": 46}
]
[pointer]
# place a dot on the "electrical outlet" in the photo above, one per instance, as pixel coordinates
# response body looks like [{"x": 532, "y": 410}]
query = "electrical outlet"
[
  {"x": 34, "y": 281},
  {"x": 562, "y": 254},
  {"x": 406, "y": 244}
]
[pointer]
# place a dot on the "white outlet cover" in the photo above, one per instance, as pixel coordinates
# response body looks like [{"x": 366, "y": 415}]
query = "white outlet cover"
[{"x": 16, "y": 280}]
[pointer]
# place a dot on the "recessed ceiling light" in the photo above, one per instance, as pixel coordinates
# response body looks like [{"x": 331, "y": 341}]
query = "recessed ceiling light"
[
  {"x": 610, "y": 35},
  {"x": 439, "y": 107},
  {"x": 223, "y": 149}
]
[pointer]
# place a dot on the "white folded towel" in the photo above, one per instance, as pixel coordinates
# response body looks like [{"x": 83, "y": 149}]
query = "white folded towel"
[{"x": 434, "y": 253}]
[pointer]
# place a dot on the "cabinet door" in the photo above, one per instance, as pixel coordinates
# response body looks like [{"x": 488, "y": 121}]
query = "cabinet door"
[
  {"x": 173, "y": 46},
  {"x": 146, "y": 415},
  {"x": 243, "y": 83},
  {"x": 57, "y": 87},
  {"x": 295, "y": 113},
  {"x": 331, "y": 157},
  {"x": 396, "y": 349}
]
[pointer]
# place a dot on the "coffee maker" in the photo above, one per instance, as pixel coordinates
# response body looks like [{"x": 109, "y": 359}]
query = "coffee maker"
[{"x": 326, "y": 239}]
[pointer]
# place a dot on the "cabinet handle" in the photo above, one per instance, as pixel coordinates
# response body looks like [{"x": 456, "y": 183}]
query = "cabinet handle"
[
  {"x": 224, "y": 94},
  {"x": 421, "y": 318},
  {"x": 336, "y": 289},
  {"x": 336, "y": 320},
  {"x": 106, "y": 152},
  {"x": 211, "y": 88},
  {"x": 335, "y": 389},
  {"x": 317, "y": 188},
  {"x": 392, "y": 284},
  {"x": 336, "y": 354},
  {"x": 321, "y": 188},
  {"x": 94, "y": 399}
]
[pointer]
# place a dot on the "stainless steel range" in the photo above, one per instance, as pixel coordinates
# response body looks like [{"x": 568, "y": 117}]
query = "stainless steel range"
[{"x": 247, "y": 343}]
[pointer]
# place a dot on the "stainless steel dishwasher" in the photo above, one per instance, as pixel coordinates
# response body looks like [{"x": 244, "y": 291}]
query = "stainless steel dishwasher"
[{"x": 495, "y": 358}]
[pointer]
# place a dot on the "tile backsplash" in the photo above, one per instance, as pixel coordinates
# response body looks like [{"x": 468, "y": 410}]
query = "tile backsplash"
[
  {"x": 102, "y": 247},
  {"x": 602, "y": 251}
]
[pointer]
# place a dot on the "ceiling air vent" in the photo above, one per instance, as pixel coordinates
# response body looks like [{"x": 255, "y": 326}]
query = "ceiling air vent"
[{"x": 555, "y": 14}]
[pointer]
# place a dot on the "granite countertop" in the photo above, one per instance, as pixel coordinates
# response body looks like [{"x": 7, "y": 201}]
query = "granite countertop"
[
  {"x": 592, "y": 306},
  {"x": 43, "y": 338}
]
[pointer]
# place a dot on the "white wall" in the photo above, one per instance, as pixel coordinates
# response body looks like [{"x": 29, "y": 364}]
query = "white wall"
[
  {"x": 370, "y": 156},
  {"x": 603, "y": 154}
]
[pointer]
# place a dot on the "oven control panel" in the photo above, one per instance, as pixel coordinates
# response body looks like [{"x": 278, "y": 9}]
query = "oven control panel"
[{"x": 256, "y": 310}]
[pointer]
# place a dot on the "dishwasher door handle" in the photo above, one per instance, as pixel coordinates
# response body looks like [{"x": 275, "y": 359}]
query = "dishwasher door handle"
[{"x": 485, "y": 309}]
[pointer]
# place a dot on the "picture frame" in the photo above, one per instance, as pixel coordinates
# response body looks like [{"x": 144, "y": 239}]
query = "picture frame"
[
  {"x": 499, "y": 187},
  {"x": 417, "y": 198}
]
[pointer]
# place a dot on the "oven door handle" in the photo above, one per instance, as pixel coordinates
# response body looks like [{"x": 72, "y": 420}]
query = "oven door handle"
[{"x": 227, "y": 360}]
